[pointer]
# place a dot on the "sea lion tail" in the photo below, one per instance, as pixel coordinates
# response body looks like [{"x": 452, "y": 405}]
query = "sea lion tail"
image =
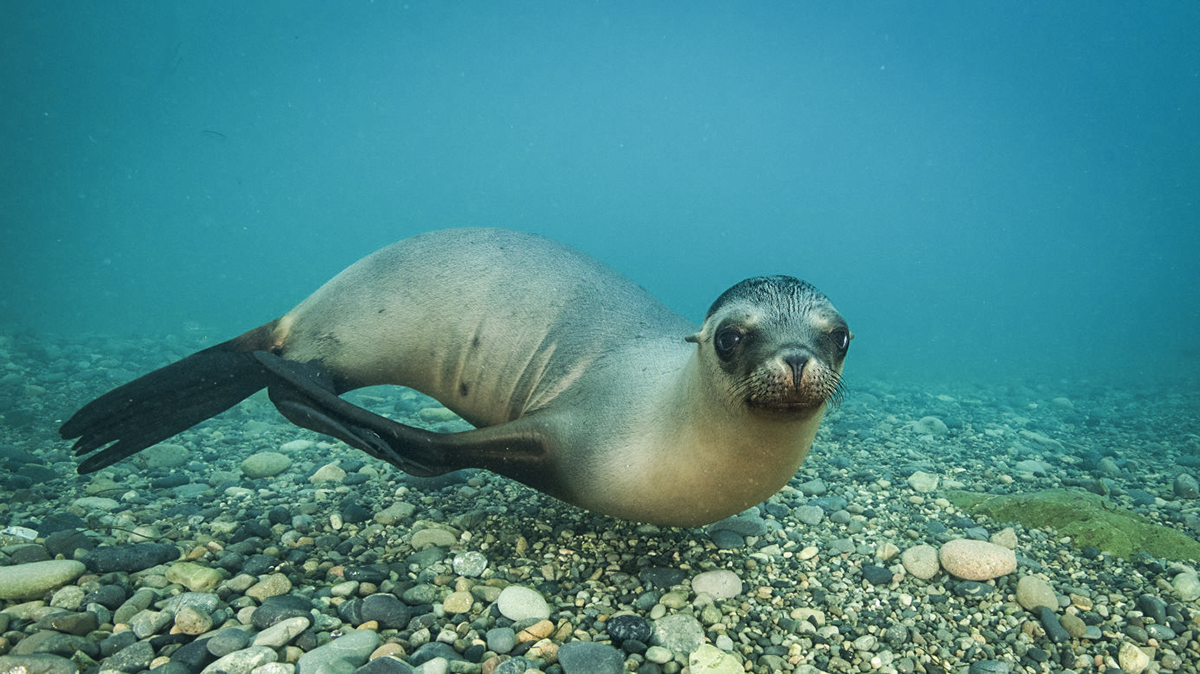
[{"x": 169, "y": 400}]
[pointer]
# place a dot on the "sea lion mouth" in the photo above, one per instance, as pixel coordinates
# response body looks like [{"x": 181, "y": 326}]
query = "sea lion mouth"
[{"x": 777, "y": 391}]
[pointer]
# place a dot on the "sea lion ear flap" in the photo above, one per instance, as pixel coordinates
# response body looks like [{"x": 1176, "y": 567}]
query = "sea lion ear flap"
[{"x": 694, "y": 339}]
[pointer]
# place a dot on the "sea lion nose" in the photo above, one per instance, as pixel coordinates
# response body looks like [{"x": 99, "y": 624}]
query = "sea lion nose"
[{"x": 796, "y": 361}]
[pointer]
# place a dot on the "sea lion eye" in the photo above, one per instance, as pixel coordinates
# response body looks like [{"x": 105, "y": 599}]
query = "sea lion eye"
[
  {"x": 841, "y": 338},
  {"x": 726, "y": 341}
]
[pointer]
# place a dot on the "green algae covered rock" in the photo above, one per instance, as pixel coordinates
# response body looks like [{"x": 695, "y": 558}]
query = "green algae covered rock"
[{"x": 1089, "y": 519}]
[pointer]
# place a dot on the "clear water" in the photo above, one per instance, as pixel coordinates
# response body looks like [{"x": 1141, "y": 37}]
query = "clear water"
[{"x": 984, "y": 189}]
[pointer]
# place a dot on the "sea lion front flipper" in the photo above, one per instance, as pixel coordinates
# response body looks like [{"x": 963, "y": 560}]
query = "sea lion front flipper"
[{"x": 306, "y": 394}]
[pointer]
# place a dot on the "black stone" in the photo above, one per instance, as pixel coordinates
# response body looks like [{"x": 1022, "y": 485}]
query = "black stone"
[
  {"x": 194, "y": 656},
  {"x": 971, "y": 588},
  {"x": 1153, "y": 607},
  {"x": 662, "y": 577},
  {"x": 434, "y": 649},
  {"x": 624, "y": 627},
  {"x": 876, "y": 575},
  {"x": 60, "y": 522},
  {"x": 364, "y": 574},
  {"x": 133, "y": 658},
  {"x": 171, "y": 481},
  {"x": 66, "y": 542},
  {"x": 354, "y": 513},
  {"x": 1054, "y": 629},
  {"x": 387, "y": 610},
  {"x": 257, "y": 565},
  {"x": 279, "y": 515},
  {"x": 115, "y": 643},
  {"x": 281, "y": 607},
  {"x": 109, "y": 596},
  {"x": 129, "y": 558}
]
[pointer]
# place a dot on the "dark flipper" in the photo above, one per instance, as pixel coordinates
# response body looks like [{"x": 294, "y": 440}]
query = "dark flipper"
[
  {"x": 307, "y": 395},
  {"x": 154, "y": 407}
]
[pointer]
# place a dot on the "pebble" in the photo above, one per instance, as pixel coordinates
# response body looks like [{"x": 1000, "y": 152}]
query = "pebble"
[
  {"x": 921, "y": 561},
  {"x": 433, "y": 538},
  {"x": 41, "y": 663},
  {"x": 281, "y": 633},
  {"x": 328, "y": 473},
  {"x": 501, "y": 639},
  {"x": 129, "y": 558},
  {"x": 34, "y": 580},
  {"x": 1054, "y": 629},
  {"x": 1033, "y": 592},
  {"x": 876, "y": 575},
  {"x": 273, "y": 585},
  {"x": 1132, "y": 659},
  {"x": 1187, "y": 585},
  {"x": 582, "y": 657},
  {"x": 519, "y": 603},
  {"x": 195, "y": 577},
  {"x": 809, "y": 514},
  {"x": 242, "y": 662},
  {"x": 353, "y": 648},
  {"x": 923, "y": 482},
  {"x": 470, "y": 564},
  {"x": 678, "y": 632},
  {"x": 265, "y": 464},
  {"x": 720, "y": 584},
  {"x": 708, "y": 659},
  {"x": 976, "y": 560}
]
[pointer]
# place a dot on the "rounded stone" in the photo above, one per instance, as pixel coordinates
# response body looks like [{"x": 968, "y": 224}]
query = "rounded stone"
[
  {"x": 1033, "y": 592},
  {"x": 921, "y": 561},
  {"x": 923, "y": 482},
  {"x": 272, "y": 586},
  {"x": 194, "y": 577},
  {"x": 720, "y": 584},
  {"x": 458, "y": 602},
  {"x": 976, "y": 560},
  {"x": 33, "y": 580},
  {"x": 328, "y": 473},
  {"x": 265, "y": 464},
  {"x": 521, "y": 603},
  {"x": 590, "y": 657},
  {"x": 426, "y": 538}
]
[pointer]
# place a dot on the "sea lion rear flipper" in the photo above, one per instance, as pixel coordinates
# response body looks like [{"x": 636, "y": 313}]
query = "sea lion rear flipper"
[
  {"x": 306, "y": 394},
  {"x": 167, "y": 401}
]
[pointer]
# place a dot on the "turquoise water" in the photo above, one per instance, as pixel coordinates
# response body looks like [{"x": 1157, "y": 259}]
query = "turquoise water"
[{"x": 983, "y": 189}]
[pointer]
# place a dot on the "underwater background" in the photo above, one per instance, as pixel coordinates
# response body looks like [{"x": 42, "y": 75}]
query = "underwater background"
[{"x": 984, "y": 190}]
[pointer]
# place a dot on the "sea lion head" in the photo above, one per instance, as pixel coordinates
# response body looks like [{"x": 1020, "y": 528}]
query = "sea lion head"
[{"x": 776, "y": 344}]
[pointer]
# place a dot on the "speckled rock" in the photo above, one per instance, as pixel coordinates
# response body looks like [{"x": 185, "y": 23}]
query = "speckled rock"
[
  {"x": 921, "y": 561},
  {"x": 708, "y": 659},
  {"x": 976, "y": 560},
  {"x": 32, "y": 581},
  {"x": 680, "y": 633}
]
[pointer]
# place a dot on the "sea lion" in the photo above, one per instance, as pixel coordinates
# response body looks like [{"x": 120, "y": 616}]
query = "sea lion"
[{"x": 581, "y": 385}]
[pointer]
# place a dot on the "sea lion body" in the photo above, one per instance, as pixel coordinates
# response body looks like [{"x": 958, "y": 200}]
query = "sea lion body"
[{"x": 581, "y": 384}]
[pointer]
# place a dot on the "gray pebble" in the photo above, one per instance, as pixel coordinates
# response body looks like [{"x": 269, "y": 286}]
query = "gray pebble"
[
  {"x": 228, "y": 640},
  {"x": 583, "y": 657},
  {"x": 501, "y": 639},
  {"x": 809, "y": 514}
]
